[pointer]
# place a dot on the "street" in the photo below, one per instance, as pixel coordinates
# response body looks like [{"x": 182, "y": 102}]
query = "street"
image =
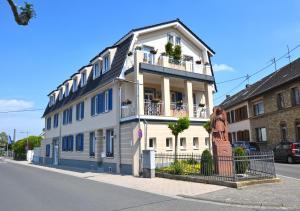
[
  {"x": 29, "y": 188},
  {"x": 288, "y": 170}
]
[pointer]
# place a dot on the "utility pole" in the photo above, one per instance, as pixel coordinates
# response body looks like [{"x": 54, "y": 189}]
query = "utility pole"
[
  {"x": 15, "y": 131},
  {"x": 274, "y": 62},
  {"x": 289, "y": 53}
]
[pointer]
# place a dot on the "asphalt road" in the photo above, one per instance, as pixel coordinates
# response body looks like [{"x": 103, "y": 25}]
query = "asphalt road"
[
  {"x": 288, "y": 170},
  {"x": 29, "y": 188}
]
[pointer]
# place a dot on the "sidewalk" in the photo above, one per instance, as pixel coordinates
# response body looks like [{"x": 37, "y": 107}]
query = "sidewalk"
[
  {"x": 284, "y": 194},
  {"x": 161, "y": 186}
]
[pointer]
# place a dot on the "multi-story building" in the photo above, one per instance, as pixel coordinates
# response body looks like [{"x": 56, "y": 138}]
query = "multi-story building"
[
  {"x": 119, "y": 104},
  {"x": 268, "y": 111}
]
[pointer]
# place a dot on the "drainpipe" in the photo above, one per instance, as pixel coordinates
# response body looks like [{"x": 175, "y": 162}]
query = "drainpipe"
[
  {"x": 120, "y": 116},
  {"x": 146, "y": 132}
]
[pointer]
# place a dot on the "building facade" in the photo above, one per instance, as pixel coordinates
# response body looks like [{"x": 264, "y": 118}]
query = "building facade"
[
  {"x": 272, "y": 106},
  {"x": 119, "y": 104}
]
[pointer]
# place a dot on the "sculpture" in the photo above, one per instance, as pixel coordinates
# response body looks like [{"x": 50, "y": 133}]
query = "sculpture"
[{"x": 222, "y": 149}]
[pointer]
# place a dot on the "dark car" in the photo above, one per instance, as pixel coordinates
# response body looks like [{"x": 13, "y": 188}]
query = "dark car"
[
  {"x": 245, "y": 145},
  {"x": 287, "y": 152}
]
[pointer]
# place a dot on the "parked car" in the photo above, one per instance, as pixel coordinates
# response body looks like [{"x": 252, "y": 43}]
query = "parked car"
[
  {"x": 287, "y": 152},
  {"x": 249, "y": 147}
]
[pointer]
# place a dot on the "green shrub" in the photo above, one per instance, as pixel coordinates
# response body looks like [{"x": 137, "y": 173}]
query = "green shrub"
[
  {"x": 206, "y": 163},
  {"x": 241, "y": 163},
  {"x": 177, "y": 53},
  {"x": 169, "y": 49},
  {"x": 191, "y": 161},
  {"x": 19, "y": 147},
  {"x": 181, "y": 167}
]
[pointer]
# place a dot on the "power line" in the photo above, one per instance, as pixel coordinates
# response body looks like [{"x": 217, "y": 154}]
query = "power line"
[
  {"x": 18, "y": 111},
  {"x": 233, "y": 79}
]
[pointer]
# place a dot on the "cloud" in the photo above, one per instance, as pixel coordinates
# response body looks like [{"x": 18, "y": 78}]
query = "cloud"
[
  {"x": 15, "y": 104},
  {"x": 222, "y": 68}
]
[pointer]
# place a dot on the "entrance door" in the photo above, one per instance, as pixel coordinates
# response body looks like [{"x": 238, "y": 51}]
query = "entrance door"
[{"x": 55, "y": 152}]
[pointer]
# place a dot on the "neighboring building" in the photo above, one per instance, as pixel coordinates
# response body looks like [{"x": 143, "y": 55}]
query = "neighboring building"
[
  {"x": 122, "y": 101},
  {"x": 269, "y": 110}
]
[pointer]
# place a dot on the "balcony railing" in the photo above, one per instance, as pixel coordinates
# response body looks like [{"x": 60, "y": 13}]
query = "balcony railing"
[
  {"x": 200, "y": 112},
  {"x": 179, "y": 109},
  {"x": 127, "y": 110},
  {"x": 153, "y": 108}
]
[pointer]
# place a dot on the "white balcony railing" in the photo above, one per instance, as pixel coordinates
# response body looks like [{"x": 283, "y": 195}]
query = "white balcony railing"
[
  {"x": 127, "y": 110},
  {"x": 200, "y": 112},
  {"x": 153, "y": 108}
]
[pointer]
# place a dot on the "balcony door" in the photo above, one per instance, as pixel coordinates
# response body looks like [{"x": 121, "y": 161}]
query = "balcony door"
[{"x": 149, "y": 94}]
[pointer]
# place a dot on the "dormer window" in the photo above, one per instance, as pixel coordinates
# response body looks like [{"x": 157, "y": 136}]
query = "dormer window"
[
  {"x": 60, "y": 95},
  {"x": 178, "y": 41},
  {"x": 67, "y": 90},
  {"x": 96, "y": 70},
  {"x": 83, "y": 79},
  {"x": 52, "y": 100},
  {"x": 75, "y": 84},
  {"x": 106, "y": 64}
]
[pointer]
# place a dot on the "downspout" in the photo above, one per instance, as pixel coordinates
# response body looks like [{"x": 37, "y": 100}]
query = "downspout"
[
  {"x": 146, "y": 133},
  {"x": 120, "y": 116}
]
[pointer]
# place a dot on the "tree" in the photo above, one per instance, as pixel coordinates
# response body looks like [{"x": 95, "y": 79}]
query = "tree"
[
  {"x": 177, "y": 128},
  {"x": 3, "y": 139},
  {"x": 207, "y": 126},
  {"x": 19, "y": 147},
  {"x": 22, "y": 14}
]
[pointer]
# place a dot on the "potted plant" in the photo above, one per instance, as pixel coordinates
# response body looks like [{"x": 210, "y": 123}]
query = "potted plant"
[
  {"x": 163, "y": 54},
  {"x": 201, "y": 105},
  {"x": 126, "y": 102},
  {"x": 129, "y": 53},
  {"x": 169, "y": 49},
  {"x": 177, "y": 54}
]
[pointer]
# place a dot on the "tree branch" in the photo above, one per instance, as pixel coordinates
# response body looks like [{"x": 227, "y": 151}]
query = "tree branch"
[{"x": 26, "y": 14}]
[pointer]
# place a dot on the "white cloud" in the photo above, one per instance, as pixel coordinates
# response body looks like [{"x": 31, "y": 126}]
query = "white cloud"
[
  {"x": 222, "y": 68},
  {"x": 15, "y": 104}
]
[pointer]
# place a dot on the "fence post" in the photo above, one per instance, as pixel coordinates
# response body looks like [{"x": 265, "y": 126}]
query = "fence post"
[{"x": 233, "y": 167}]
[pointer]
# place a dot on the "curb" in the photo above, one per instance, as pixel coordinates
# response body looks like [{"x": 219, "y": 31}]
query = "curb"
[{"x": 257, "y": 205}]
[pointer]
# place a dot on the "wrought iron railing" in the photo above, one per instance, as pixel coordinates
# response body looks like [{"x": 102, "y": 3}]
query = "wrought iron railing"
[
  {"x": 178, "y": 109},
  {"x": 153, "y": 108}
]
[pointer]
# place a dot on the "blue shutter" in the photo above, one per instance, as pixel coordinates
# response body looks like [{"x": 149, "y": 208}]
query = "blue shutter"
[
  {"x": 100, "y": 103},
  {"x": 107, "y": 142},
  {"x": 76, "y": 146},
  {"x": 82, "y": 142},
  {"x": 77, "y": 111},
  {"x": 82, "y": 110},
  {"x": 110, "y": 99},
  {"x": 70, "y": 143},
  {"x": 93, "y": 105},
  {"x": 70, "y": 115}
]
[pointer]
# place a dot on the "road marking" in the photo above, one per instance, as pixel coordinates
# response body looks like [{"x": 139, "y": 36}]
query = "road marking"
[{"x": 288, "y": 177}]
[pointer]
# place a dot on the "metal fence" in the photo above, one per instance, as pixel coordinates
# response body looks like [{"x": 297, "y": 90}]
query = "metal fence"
[{"x": 258, "y": 165}]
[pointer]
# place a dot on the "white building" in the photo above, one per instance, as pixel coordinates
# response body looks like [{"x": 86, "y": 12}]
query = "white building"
[{"x": 122, "y": 101}]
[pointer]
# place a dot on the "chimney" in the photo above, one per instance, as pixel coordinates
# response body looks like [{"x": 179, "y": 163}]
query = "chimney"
[
  {"x": 247, "y": 85},
  {"x": 227, "y": 96}
]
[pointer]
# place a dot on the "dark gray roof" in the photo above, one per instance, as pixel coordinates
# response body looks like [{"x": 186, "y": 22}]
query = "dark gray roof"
[
  {"x": 278, "y": 78},
  {"x": 115, "y": 71}
]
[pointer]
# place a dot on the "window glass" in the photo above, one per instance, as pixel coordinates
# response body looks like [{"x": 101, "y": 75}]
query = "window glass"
[
  {"x": 110, "y": 143},
  {"x": 196, "y": 143},
  {"x": 169, "y": 143}
]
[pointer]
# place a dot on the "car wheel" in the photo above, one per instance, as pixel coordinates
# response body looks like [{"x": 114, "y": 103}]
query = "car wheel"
[{"x": 290, "y": 159}]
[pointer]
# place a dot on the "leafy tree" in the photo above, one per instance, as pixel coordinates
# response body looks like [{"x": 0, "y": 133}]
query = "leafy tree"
[
  {"x": 19, "y": 147},
  {"x": 177, "y": 128},
  {"x": 177, "y": 53},
  {"x": 169, "y": 49},
  {"x": 22, "y": 14},
  {"x": 3, "y": 139}
]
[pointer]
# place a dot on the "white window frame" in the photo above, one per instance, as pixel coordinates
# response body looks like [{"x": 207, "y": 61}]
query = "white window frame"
[
  {"x": 106, "y": 101},
  {"x": 170, "y": 147},
  {"x": 154, "y": 143},
  {"x": 96, "y": 71},
  {"x": 256, "y": 105},
  {"x": 183, "y": 145},
  {"x": 51, "y": 101},
  {"x": 75, "y": 84},
  {"x": 111, "y": 141},
  {"x": 106, "y": 63},
  {"x": 170, "y": 40},
  {"x": 83, "y": 78},
  {"x": 196, "y": 146},
  {"x": 262, "y": 133},
  {"x": 176, "y": 39},
  {"x": 60, "y": 94}
]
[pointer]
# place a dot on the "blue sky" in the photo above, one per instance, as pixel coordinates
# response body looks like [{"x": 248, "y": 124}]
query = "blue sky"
[{"x": 65, "y": 35}]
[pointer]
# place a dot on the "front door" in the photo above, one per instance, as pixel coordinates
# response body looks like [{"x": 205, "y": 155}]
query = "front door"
[{"x": 55, "y": 152}]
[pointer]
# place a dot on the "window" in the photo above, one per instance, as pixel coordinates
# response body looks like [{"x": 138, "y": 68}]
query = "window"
[
  {"x": 67, "y": 90},
  {"x": 152, "y": 143},
  {"x": 241, "y": 113},
  {"x": 60, "y": 94},
  {"x": 280, "y": 101},
  {"x": 148, "y": 56},
  {"x": 232, "y": 120},
  {"x": 169, "y": 144},
  {"x": 295, "y": 96},
  {"x": 196, "y": 143},
  {"x": 48, "y": 126},
  {"x": 79, "y": 142},
  {"x": 283, "y": 131},
  {"x": 67, "y": 143},
  {"x": 170, "y": 38},
  {"x": 243, "y": 135},
  {"x": 55, "y": 121},
  {"x": 96, "y": 70},
  {"x": 48, "y": 150},
  {"x": 52, "y": 100},
  {"x": 110, "y": 143},
  {"x": 74, "y": 84},
  {"x": 297, "y": 130},
  {"x": 92, "y": 144},
  {"x": 80, "y": 111},
  {"x": 207, "y": 142},
  {"x": 182, "y": 143},
  {"x": 83, "y": 79},
  {"x": 101, "y": 103},
  {"x": 106, "y": 64},
  {"x": 178, "y": 41},
  {"x": 67, "y": 116},
  {"x": 233, "y": 136},
  {"x": 261, "y": 134},
  {"x": 258, "y": 108}
]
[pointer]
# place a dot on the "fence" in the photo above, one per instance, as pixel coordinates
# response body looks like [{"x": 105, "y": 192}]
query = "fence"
[{"x": 222, "y": 168}]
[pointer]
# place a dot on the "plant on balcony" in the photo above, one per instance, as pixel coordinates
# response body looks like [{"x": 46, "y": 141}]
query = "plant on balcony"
[
  {"x": 177, "y": 128},
  {"x": 129, "y": 53},
  {"x": 198, "y": 62},
  {"x": 206, "y": 63},
  {"x": 126, "y": 102},
  {"x": 201, "y": 105},
  {"x": 169, "y": 49}
]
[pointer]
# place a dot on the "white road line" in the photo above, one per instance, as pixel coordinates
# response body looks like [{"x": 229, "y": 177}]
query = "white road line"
[{"x": 288, "y": 177}]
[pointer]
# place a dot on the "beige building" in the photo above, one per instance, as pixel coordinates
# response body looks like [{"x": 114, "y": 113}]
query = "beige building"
[
  {"x": 122, "y": 101},
  {"x": 269, "y": 110}
]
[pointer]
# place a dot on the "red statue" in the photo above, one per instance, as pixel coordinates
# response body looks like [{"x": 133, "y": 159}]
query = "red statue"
[{"x": 222, "y": 149}]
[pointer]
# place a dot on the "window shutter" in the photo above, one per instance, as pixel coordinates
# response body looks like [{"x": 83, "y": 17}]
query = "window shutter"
[
  {"x": 70, "y": 115},
  {"x": 110, "y": 100},
  {"x": 100, "y": 105},
  {"x": 82, "y": 142},
  {"x": 93, "y": 106},
  {"x": 107, "y": 142},
  {"x": 82, "y": 110},
  {"x": 77, "y": 111}
]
